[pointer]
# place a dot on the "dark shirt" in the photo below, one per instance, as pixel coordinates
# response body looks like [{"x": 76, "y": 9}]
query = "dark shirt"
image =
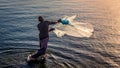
[{"x": 43, "y": 28}]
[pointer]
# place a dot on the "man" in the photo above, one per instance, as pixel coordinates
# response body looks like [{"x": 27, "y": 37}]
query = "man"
[{"x": 44, "y": 30}]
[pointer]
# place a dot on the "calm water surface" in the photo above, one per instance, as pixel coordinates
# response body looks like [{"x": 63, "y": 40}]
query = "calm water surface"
[{"x": 19, "y": 34}]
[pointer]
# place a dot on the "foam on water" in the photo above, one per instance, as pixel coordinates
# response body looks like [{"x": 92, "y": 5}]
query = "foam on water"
[{"x": 74, "y": 28}]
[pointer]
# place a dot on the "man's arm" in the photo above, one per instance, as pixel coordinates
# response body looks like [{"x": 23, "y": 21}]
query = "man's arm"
[
  {"x": 52, "y": 23},
  {"x": 51, "y": 29},
  {"x": 58, "y": 21}
]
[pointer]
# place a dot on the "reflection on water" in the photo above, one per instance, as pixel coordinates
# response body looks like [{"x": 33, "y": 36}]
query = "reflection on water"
[{"x": 19, "y": 34}]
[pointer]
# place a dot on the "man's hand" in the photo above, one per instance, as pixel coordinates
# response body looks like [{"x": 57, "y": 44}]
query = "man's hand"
[{"x": 59, "y": 20}]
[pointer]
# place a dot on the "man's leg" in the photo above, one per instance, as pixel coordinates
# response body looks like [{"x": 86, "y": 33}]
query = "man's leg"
[{"x": 42, "y": 50}]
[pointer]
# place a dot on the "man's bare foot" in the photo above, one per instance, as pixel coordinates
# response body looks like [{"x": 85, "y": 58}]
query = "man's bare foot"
[{"x": 29, "y": 58}]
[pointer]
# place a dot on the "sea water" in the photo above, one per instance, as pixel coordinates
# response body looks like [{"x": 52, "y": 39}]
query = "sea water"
[{"x": 19, "y": 34}]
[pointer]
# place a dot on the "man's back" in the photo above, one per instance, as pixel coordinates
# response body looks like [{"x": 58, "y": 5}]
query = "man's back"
[{"x": 43, "y": 28}]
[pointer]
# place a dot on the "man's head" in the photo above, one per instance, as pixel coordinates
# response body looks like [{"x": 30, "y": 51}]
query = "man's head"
[{"x": 40, "y": 18}]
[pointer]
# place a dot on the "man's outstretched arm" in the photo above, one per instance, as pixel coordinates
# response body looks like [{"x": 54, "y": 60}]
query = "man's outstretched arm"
[{"x": 58, "y": 21}]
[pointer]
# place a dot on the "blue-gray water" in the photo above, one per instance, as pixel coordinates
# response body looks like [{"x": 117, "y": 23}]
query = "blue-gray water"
[{"x": 19, "y": 34}]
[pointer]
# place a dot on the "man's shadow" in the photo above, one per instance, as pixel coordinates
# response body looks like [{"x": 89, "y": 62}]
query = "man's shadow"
[{"x": 38, "y": 64}]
